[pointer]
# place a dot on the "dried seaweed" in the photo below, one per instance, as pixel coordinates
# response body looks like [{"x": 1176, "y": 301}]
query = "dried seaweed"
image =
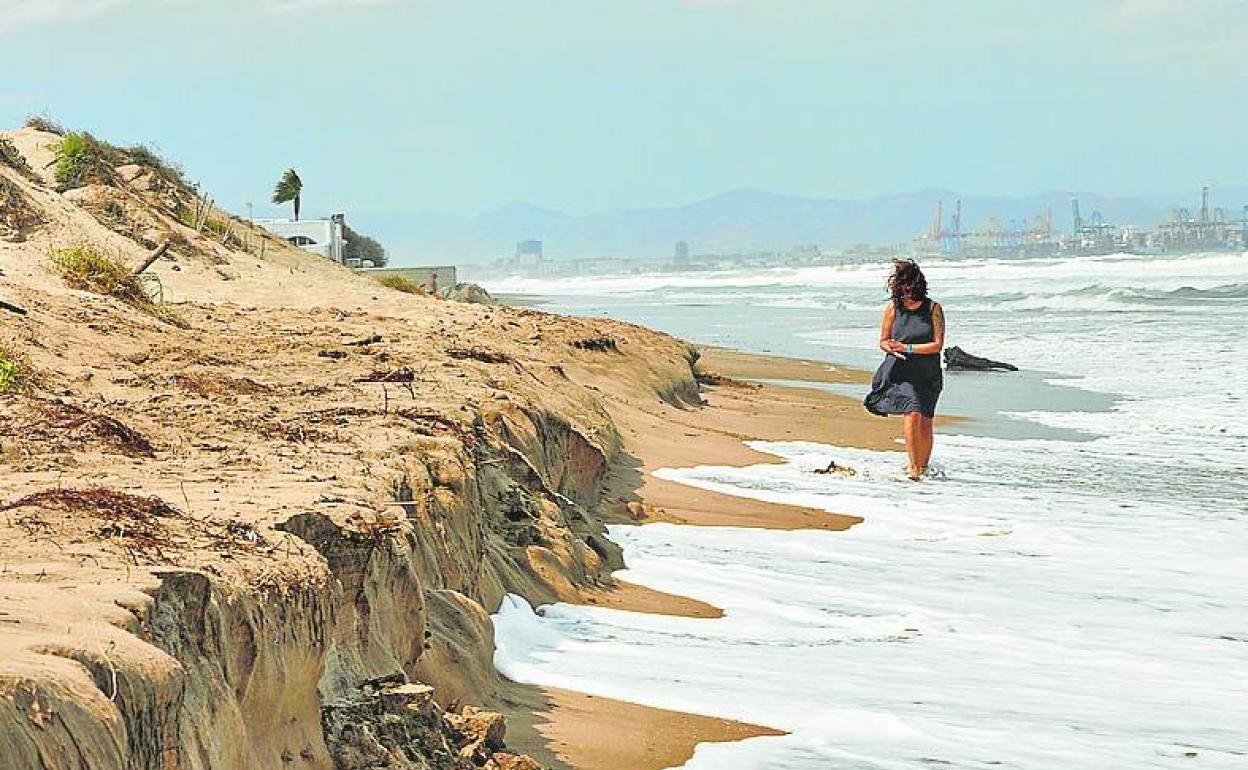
[
  {"x": 137, "y": 522},
  {"x": 479, "y": 354},
  {"x": 597, "y": 344},
  {"x": 402, "y": 374},
  {"x": 431, "y": 423},
  {"x": 203, "y": 384},
  {"x": 146, "y": 528},
  {"x": 65, "y": 427}
]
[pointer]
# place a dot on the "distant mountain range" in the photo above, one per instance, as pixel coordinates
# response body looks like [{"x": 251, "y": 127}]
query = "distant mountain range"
[{"x": 745, "y": 221}]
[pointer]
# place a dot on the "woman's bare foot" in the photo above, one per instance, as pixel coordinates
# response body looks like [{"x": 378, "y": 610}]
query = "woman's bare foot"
[{"x": 913, "y": 473}]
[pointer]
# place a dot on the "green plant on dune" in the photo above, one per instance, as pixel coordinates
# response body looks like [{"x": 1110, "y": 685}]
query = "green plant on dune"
[
  {"x": 399, "y": 283},
  {"x": 83, "y": 159},
  {"x": 14, "y": 372},
  {"x": 79, "y": 161},
  {"x": 85, "y": 267},
  {"x": 289, "y": 189}
]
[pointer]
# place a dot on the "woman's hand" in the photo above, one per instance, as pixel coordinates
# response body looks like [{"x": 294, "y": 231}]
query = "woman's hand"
[{"x": 892, "y": 346}]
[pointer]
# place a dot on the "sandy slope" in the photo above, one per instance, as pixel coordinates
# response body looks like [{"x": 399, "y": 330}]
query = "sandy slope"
[{"x": 234, "y": 526}]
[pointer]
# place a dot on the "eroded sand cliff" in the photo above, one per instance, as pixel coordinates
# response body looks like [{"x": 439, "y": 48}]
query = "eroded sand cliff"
[{"x": 247, "y": 525}]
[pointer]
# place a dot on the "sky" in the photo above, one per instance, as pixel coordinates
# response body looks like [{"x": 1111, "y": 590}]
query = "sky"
[{"x": 457, "y": 107}]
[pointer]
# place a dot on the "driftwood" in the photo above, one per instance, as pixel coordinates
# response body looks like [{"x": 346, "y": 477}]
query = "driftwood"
[
  {"x": 156, "y": 254},
  {"x": 12, "y": 308},
  {"x": 958, "y": 359},
  {"x": 479, "y": 354}
]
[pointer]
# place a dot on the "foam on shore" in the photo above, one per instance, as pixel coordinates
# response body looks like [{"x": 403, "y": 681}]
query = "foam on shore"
[{"x": 994, "y": 616}]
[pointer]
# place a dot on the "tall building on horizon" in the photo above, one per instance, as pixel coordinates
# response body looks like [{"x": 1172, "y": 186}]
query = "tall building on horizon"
[
  {"x": 681, "y": 254},
  {"x": 529, "y": 253}
]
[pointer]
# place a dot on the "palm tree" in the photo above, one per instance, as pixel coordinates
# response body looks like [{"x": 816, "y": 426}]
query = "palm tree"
[{"x": 288, "y": 189}]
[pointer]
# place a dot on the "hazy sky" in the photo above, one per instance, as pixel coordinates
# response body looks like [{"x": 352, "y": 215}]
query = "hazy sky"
[{"x": 459, "y": 106}]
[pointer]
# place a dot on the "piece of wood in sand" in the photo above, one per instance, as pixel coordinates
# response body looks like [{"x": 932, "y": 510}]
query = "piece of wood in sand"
[
  {"x": 12, "y": 308},
  {"x": 156, "y": 254}
]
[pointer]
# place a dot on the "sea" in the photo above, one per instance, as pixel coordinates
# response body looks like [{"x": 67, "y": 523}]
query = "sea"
[{"x": 1070, "y": 591}]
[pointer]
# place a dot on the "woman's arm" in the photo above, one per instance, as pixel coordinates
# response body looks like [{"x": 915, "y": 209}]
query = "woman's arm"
[
  {"x": 887, "y": 343},
  {"x": 938, "y": 333}
]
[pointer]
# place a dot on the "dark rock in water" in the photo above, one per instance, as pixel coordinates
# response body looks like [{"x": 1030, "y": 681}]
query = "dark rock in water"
[
  {"x": 836, "y": 470},
  {"x": 958, "y": 359}
]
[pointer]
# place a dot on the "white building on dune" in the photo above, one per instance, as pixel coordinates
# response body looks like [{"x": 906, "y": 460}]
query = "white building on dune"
[{"x": 319, "y": 236}]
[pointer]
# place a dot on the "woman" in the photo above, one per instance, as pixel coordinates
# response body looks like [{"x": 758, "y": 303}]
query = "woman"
[{"x": 909, "y": 381}]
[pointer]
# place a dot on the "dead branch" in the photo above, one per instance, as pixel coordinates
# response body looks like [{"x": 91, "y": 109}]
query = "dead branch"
[
  {"x": 12, "y": 308},
  {"x": 156, "y": 254}
]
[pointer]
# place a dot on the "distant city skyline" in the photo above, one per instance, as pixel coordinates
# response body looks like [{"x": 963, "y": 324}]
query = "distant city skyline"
[
  {"x": 740, "y": 221},
  {"x": 458, "y": 108}
]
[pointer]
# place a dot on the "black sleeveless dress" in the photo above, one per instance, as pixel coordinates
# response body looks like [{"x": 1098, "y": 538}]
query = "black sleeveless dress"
[{"x": 913, "y": 385}]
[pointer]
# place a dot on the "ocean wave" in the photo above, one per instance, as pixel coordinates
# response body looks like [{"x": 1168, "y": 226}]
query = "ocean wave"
[
  {"x": 943, "y": 272},
  {"x": 1097, "y": 296}
]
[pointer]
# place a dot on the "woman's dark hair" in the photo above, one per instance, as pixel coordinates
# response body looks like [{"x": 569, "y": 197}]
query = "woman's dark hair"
[{"x": 907, "y": 281}]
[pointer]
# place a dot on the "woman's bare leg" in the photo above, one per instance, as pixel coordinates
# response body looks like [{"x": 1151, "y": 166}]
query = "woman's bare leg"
[
  {"x": 927, "y": 440},
  {"x": 912, "y": 430}
]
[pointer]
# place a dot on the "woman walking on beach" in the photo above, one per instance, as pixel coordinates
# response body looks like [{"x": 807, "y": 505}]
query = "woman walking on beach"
[{"x": 912, "y": 333}]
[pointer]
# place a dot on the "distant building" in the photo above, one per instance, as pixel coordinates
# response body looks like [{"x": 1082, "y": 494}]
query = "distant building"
[
  {"x": 529, "y": 254},
  {"x": 319, "y": 236},
  {"x": 681, "y": 255}
]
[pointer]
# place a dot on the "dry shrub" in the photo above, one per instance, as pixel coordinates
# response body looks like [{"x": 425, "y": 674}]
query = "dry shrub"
[
  {"x": 16, "y": 212},
  {"x": 172, "y": 173},
  {"x": 46, "y": 124},
  {"x": 10, "y": 157},
  {"x": 399, "y": 283}
]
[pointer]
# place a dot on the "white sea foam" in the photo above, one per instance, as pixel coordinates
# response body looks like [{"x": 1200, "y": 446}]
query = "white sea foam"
[
  {"x": 1009, "y": 614},
  {"x": 1201, "y": 270},
  {"x": 1047, "y": 604}
]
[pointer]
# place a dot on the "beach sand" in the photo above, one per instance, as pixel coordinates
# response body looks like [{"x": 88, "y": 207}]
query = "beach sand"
[
  {"x": 572, "y": 730},
  {"x": 566, "y": 729}
]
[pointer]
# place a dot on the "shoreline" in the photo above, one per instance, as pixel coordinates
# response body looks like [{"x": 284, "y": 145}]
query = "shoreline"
[{"x": 574, "y": 731}]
